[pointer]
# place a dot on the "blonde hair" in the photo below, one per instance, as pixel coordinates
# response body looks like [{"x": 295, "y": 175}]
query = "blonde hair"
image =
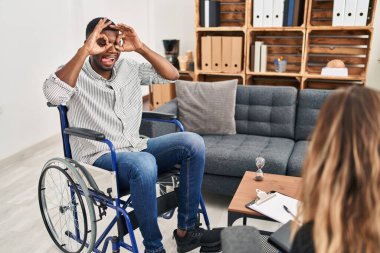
[{"x": 341, "y": 176}]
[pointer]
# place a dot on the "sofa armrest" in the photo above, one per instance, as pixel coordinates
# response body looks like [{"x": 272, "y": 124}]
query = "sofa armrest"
[
  {"x": 154, "y": 129},
  {"x": 241, "y": 239}
]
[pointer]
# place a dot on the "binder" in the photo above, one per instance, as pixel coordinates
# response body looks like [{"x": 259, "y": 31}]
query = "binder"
[
  {"x": 290, "y": 13},
  {"x": 258, "y": 13},
  {"x": 214, "y": 13},
  {"x": 226, "y": 53},
  {"x": 361, "y": 13},
  {"x": 286, "y": 11},
  {"x": 268, "y": 12},
  {"x": 263, "y": 58},
  {"x": 209, "y": 13},
  {"x": 338, "y": 12},
  {"x": 349, "y": 13},
  {"x": 206, "y": 53},
  {"x": 278, "y": 13},
  {"x": 216, "y": 53},
  {"x": 257, "y": 55},
  {"x": 236, "y": 54},
  {"x": 205, "y": 12},
  {"x": 296, "y": 14}
]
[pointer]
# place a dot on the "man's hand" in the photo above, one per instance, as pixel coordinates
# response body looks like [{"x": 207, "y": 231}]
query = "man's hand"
[
  {"x": 97, "y": 42},
  {"x": 128, "y": 38}
]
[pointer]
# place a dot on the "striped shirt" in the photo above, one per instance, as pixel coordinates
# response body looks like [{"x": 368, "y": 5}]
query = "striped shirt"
[{"x": 112, "y": 107}]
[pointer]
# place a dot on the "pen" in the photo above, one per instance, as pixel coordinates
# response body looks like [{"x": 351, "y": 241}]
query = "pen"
[{"x": 291, "y": 214}]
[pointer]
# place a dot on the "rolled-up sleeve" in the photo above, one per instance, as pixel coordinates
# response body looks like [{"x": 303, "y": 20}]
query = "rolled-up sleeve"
[
  {"x": 148, "y": 75},
  {"x": 56, "y": 91}
]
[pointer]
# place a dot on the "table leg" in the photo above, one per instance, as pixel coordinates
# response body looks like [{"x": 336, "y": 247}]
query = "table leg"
[{"x": 232, "y": 217}]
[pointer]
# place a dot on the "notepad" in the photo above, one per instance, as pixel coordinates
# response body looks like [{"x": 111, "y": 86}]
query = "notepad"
[{"x": 274, "y": 207}]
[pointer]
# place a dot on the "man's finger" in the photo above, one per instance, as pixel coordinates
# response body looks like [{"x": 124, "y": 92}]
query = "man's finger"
[
  {"x": 103, "y": 36},
  {"x": 106, "y": 24},
  {"x": 127, "y": 27}
]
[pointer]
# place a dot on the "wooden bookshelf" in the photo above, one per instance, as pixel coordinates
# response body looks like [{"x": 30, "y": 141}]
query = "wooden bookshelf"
[{"x": 308, "y": 47}]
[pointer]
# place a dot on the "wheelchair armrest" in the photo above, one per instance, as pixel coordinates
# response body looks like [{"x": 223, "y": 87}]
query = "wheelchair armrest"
[
  {"x": 50, "y": 104},
  {"x": 84, "y": 133},
  {"x": 158, "y": 115}
]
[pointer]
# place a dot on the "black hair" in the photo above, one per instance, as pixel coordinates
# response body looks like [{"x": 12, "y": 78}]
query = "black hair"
[{"x": 91, "y": 26}]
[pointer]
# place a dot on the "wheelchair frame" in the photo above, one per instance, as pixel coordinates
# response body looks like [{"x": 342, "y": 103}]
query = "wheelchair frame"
[{"x": 126, "y": 221}]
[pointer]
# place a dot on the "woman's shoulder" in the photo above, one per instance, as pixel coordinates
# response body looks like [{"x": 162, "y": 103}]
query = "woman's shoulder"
[{"x": 303, "y": 241}]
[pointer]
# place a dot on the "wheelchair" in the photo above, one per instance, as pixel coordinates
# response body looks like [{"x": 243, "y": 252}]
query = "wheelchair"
[{"x": 72, "y": 203}]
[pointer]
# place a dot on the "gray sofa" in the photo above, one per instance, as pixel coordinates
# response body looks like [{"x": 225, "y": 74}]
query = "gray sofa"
[{"x": 272, "y": 122}]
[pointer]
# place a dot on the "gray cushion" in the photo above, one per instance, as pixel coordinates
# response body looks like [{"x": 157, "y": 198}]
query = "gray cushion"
[
  {"x": 297, "y": 159},
  {"x": 240, "y": 239},
  {"x": 310, "y": 102},
  {"x": 233, "y": 155},
  {"x": 266, "y": 111},
  {"x": 155, "y": 128},
  {"x": 207, "y": 108}
]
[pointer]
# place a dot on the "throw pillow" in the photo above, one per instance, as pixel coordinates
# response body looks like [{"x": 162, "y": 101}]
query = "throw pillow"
[{"x": 207, "y": 108}]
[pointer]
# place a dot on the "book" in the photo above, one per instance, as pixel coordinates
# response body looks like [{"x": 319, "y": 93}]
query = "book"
[
  {"x": 263, "y": 58},
  {"x": 257, "y": 56}
]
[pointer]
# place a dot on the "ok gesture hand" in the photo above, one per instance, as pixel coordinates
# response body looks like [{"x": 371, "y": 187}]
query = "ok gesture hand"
[
  {"x": 97, "y": 42},
  {"x": 130, "y": 40}
]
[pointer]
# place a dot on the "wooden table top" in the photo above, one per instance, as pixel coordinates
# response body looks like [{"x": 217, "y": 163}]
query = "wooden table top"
[{"x": 246, "y": 191}]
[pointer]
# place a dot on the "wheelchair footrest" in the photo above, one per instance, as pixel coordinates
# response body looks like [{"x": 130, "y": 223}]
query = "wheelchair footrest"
[{"x": 167, "y": 202}]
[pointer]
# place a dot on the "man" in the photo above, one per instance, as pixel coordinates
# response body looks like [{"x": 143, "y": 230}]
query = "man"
[{"x": 104, "y": 94}]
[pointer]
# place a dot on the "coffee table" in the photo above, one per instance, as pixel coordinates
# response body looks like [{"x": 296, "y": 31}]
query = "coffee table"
[{"x": 246, "y": 192}]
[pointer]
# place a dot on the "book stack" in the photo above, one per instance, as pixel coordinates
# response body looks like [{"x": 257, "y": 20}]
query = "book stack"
[
  {"x": 259, "y": 54},
  {"x": 278, "y": 13},
  {"x": 350, "y": 12},
  {"x": 209, "y": 13}
]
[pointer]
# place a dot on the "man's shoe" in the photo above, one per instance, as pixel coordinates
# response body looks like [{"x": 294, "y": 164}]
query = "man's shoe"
[
  {"x": 196, "y": 238},
  {"x": 162, "y": 251}
]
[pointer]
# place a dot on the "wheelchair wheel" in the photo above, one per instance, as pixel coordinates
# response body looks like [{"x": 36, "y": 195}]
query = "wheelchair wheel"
[{"x": 64, "y": 211}]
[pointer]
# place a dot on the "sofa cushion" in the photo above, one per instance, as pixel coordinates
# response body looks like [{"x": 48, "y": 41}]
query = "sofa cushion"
[
  {"x": 310, "y": 102},
  {"x": 207, "y": 108},
  {"x": 233, "y": 155},
  {"x": 266, "y": 111},
  {"x": 297, "y": 158}
]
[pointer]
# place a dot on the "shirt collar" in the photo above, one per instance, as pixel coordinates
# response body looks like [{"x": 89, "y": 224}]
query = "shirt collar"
[{"x": 95, "y": 75}]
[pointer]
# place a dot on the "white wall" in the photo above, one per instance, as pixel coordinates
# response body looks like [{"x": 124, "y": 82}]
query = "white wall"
[
  {"x": 373, "y": 74},
  {"x": 35, "y": 40},
  {"x": 173, "y": 19},
  {"x": 44, "y": 34}
]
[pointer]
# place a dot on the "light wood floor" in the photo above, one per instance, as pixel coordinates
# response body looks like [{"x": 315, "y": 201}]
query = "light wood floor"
[{"x": 21, "y": 225}]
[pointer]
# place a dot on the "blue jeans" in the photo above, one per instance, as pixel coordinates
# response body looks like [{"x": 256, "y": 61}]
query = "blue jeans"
[{"x": 138, "y": 173}]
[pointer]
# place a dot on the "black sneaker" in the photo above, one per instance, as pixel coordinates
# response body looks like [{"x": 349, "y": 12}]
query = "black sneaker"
[
  {"x": 162, "y": 251},
  {"x": 196, "y": 238}
]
